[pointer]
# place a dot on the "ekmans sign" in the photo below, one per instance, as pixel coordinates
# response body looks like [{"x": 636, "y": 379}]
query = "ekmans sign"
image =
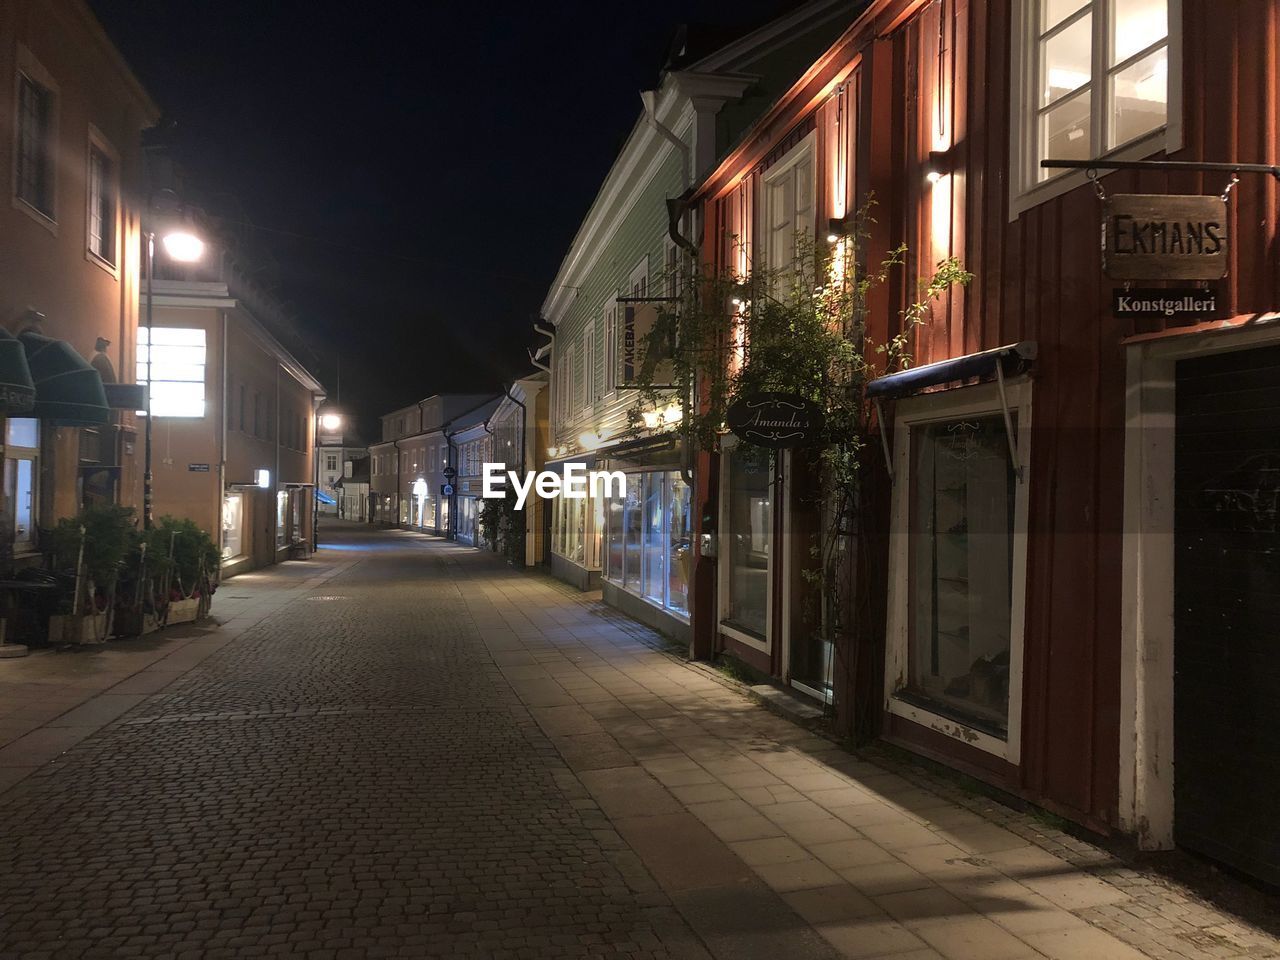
[{"x": 1157, "y": 237}]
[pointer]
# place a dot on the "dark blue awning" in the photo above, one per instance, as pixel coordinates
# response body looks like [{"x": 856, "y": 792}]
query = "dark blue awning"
[
  {"x": 324, "y": 498},
  {"x": 1013, "y": 359}
]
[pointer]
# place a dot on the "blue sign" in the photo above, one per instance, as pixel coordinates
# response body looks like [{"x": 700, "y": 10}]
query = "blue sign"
[{"x": 446, "y": 489}]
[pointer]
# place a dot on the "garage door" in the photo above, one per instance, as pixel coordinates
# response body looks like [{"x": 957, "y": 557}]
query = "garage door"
[{"x": 1227, "y": 610}]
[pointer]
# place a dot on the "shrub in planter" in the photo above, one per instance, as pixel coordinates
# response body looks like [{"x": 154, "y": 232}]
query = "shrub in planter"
[
  {"x": 183, "y": 563},
  {"x": 90, "y": 550}
]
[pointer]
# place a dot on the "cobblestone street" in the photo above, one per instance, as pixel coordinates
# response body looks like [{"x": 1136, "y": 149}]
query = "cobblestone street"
[{"x": 422, "y": 753}]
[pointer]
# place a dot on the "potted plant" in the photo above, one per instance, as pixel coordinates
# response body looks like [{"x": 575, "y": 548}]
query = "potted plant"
[
  {"x": 88, "y": 551},
  {"x": 188, "y": 561}
]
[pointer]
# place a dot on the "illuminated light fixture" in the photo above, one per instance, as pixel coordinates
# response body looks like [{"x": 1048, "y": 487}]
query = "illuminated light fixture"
[
  {"x": 589, "y": 440},
  {"x": 651, "y": 418},
  {"x": 837, "y": 227},
  {"x": 551, "y": 451},
  {"x": 673, "y": 414},
  {"x": 939, "y": 165},
  {"x": 263, "y": 479},
  {"x": 330, "y": 421},
  {"x": 183, "y": 246},
  {"x": 739, "y": 298}
]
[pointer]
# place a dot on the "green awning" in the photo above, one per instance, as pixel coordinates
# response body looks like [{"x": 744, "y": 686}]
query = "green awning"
[
  {"x": 68, "y": 390},
  {"x": 17, "y": 391}
]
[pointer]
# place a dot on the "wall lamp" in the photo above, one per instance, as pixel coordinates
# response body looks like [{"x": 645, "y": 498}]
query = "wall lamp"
[
  {"x": 838, "y": 227},
  {"x": 939, "y": 165},
  {"x": 739, "y": 297}
]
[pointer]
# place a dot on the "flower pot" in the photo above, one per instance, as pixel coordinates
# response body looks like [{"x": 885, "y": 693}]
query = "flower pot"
[
  {"x": 86, "y": 628},
  {"x": 183, "y": 611},
  {"x": 135, "y": 623}
]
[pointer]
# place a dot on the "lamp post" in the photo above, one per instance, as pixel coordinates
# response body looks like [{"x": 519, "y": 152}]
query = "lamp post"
[
  {"x": 331, "y": 420},
  {"x": 184, "y": 247}
]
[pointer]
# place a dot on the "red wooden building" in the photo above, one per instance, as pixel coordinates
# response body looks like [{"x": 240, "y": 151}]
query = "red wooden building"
[{"x": 1070, "y": 562}]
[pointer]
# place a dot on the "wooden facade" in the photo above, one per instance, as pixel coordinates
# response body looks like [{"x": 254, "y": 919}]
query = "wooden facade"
[{"x": 913, "y": 77}]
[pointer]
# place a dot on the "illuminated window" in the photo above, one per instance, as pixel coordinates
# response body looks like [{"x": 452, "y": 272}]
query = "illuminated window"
[
  {"x": 788, "y": 209},
  {"x": 177, "y": 369},
  {"x": 1095, "y": 79},
  {"x": 21, "y": 478},
  {"x": 232, "y": 525}
]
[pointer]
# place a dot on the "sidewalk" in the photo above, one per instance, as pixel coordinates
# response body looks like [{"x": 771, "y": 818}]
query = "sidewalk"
[
  {"x": 53, "y": 699},
  {"x": 715, "y": 795}
]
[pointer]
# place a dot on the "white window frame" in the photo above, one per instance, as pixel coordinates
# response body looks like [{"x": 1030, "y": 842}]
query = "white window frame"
[
  {"x": 722, "y": 587},
  {"x": 1025, "y": 190},
  {"x": 982, "y": 400},
  {"x": 638, "y": 280},
  {"x": 611, "y": 345},
  {"x": 143, "y": 349},
  {"x": 804, "y": 150},
  {"x": 99, "y": 144}
]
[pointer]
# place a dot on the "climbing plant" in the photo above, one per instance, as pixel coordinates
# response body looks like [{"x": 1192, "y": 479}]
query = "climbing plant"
[{"x": 801, "y": 330}]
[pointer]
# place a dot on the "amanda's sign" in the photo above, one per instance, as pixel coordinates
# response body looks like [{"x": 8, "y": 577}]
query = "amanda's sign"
[
  {"x": 1155, "y": 237},
  {"x": 777, "y": 420}
]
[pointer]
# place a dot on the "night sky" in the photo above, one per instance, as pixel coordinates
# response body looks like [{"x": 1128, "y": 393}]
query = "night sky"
[{"x": 414, "y": 172}]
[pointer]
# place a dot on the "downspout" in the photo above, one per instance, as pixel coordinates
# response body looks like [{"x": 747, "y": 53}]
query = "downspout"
[
  {"x": 524, "y": 412},
  {"x": 222, "y": 450},
  {"x": 396, "y": 444},
  {"x": 450, "y": 530},
  {"x": 276, "y": 433},
  {"x": 550, "y": 334}
]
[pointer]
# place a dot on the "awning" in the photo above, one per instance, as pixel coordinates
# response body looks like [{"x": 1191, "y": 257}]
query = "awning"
[
  {"x": 640, "y": 447},
  {"x": 1012, "y": 360},
  {"x": 556, "y": 465},
  {"x": 126, "y": 396},
  {"x": 325, "y": 498},
  {"x": 17, "y": 391},
  {"x": 68, "y": 389}
]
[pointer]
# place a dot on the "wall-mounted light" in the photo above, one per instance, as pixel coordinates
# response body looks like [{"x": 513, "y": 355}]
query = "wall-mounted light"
[
  {"x": 263, "y": 478},
  {"x": 739, "y": 295},
  {"x": 651, "y": 418},
  {"x": 939, "y": 165},
  {"x": 838, "y": 227}
]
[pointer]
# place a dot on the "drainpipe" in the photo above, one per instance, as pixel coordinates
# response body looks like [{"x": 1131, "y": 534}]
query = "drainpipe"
[
  {"x": 275, "y": 507},
  {"x": 396, "y": 444},
  {"x": 550, "y": 334},
  {"x": 222, "y": 450},
  {"x": 450, "y": 531},
  {"x": 524, "y": 412}
]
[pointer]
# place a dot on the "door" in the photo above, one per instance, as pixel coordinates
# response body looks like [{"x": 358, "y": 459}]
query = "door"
[{"x": 1227, "y": 609}]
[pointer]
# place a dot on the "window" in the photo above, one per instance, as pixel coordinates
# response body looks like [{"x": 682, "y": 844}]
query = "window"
[
  {"x": 589, "y": 355},
  {"x": 22, "y": 447},
  {"x": 649, "y": 538},
  {"x": 242, "y": 408},
  {"x": 102, "y": 205},
  {"x": 257, "y": 414},
  {"x": 331, "y": 462},
  {"x": 671, "y": 270},
  {"x": 282, "y": 518},
  {"x": 177, "y": 360},
  {"x": 788, "y": 210},
  {"x": 35, "y": 145},
  {"x": 956, "y": 621},
  {"x": 1095, "y": 78},
  {"x": 232, "y": 525}
]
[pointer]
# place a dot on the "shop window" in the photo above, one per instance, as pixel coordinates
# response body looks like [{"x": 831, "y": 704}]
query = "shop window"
[
  {"x": 615, "y": 509},
  {"x": 1095, "y": 77},
  {"x": 648, "y": 539},
  {"x": 232, "y": 525},
  {"x": 747, "y": 535},
  {"x": 282, "y": 518},
  {"x": 22, "y": 443},
  {"x": 633, "y": 533},
  {"x": 956, "y": 625},
  {"x": 679, "y": 542},
  {"x": 177, "y": 367}
]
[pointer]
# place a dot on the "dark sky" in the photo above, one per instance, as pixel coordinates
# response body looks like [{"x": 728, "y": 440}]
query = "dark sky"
[{"x": 416, "y": 171}]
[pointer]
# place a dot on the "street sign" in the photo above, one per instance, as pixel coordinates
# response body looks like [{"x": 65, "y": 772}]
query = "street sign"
[
  {"x": 776, "y": 420},
  {"x": 446, "y": 489},
  {"x": 198, "y": 467},
  {"x": 1162, "y": 237},
  {"x": 1169, "y": 303},
  {"x": 449, "y": 473}
]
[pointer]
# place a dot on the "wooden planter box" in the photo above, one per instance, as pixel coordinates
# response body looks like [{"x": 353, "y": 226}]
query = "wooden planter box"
[
  {"x": 130, "y": 623},
  {"x": 183, "y": 611},
  {"x": 70, "y": 628}
]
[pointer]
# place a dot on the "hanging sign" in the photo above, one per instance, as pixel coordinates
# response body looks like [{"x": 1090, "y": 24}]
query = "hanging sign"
[
  {"x": 449, "y": 473},
  {"x": 446, "y": 489},
  {"x": 644, "y": 357},
  {"x": 776, "y": 420},
  {"x": 1169, "y": 303},
  {"x": 1157, "y": 237}
]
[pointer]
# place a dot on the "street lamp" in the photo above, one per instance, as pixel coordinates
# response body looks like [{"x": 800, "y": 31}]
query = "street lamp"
[
  {"x": 330, "y": 420},
  {"x": 182, "y": 246}
]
